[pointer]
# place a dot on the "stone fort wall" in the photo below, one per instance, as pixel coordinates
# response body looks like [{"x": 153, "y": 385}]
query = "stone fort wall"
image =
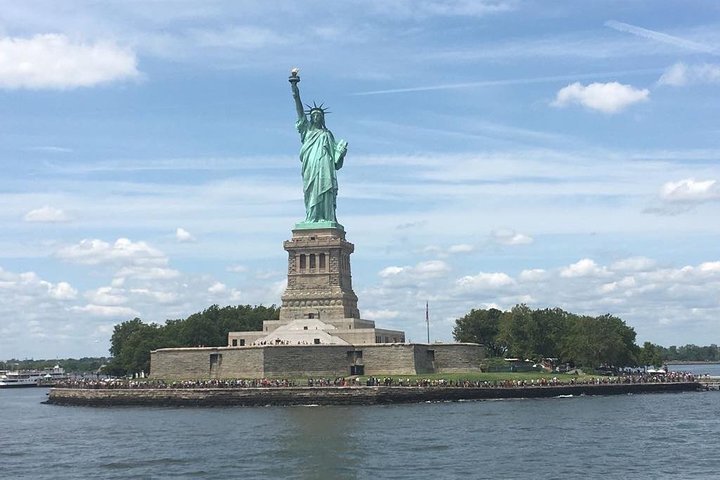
[{"x": 313, "y": 360}]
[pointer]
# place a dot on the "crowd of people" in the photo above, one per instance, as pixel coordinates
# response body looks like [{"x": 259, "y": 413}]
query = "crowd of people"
[{"x": 121, "y": 383}]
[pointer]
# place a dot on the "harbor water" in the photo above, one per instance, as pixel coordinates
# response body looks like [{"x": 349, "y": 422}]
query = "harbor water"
[{"x": 627, "y": 436}]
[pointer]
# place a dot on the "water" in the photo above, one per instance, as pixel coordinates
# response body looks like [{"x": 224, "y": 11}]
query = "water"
[
  {"x": 631, "y": 436},
  {"x": 712, "y": 369}
]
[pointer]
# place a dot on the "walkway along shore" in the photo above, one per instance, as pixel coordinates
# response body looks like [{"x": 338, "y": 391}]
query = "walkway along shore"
[{"x": 345, "y": 395}]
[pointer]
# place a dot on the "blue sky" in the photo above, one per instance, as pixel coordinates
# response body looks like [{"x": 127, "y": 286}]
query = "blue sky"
[{"x": 553, "y": 153}]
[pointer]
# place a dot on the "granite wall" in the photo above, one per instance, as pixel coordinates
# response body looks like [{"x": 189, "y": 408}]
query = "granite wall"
[
  {"x": 338, "y": 395},
  {"x": 313, "y": 360}
]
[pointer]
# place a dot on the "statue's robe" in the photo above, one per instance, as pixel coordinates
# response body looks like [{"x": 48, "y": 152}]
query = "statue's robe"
[{"x": 320, "y": 157}]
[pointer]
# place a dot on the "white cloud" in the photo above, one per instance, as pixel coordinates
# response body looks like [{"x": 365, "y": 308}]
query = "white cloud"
[
  {"x": 146, "y": 273},
  {"x": 237, "y": 268},
  {"x": 52, "y": 61},
  {"x": 583, "y": 268},
  {"x": 123, "y": 251},
  {"x": 431, "y": 268},
  {"x": 709, "y": 267},
  {"x": 106, "y": 296},
  {"x": 109, "y": 311},
  {"x": 532, "y": 275},
  {"x": 461, "y": 248},
  {"x": 217, "y": 288},
  {"x": 46, "y": 214},
  {"x": 156, "y": 296},
  {"x": 379, "y": 315},
  {"x": 408, "y": 276},
  {"x": 611, "y": 97},
  {"x": 392, "y": 271},
  {"x": 510, "y": 237},
  {"x": 485, "y": 280},
  {"x": 182, "y": 235},
  {"x": 62, "y": 291},
  {"x": 680, "y": 74},
  {"x": 661, "y": 37},
  {"x": 690, "y": 190},
  {"x": 633, "y": 264}
]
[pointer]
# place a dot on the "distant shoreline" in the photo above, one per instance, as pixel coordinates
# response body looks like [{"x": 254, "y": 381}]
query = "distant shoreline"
[{"x": 377, "y": 395}]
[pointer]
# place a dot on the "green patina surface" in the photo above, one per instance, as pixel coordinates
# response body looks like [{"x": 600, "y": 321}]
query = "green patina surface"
[
  {"x": 321, "y": 156},
  {"x": 316, "y": 225}
]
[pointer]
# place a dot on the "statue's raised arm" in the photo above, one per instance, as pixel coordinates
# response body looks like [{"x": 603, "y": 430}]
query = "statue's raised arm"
[
  {"x": 321, "y": 156},
  {"x": 294, "y": 79}
]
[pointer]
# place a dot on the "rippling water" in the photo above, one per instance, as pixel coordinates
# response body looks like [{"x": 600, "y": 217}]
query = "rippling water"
[{"x": 636, "y": 436}]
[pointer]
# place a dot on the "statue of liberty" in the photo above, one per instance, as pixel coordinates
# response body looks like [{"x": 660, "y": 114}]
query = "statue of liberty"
[{"x": 321, "y": 156}]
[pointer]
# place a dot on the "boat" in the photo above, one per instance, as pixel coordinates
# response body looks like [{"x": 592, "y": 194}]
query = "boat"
[
  {"x": 33, "y": 378},
  {"x": 51, "y": 377},
  {"x": 20, "y": 379}
]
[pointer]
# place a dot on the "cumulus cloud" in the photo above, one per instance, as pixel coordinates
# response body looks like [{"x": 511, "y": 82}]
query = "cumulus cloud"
[
  {"x": 52, "y": 61},
  {"x": 46, "y": 214},
  {"x": 633, "y": 264},
  {"x": 217, "y": 288},
  {"x": 684, "y": 195},
  {"x": 583, "y": 268},
  {"x": 485, "y": 281},
  {"x": 155, "y": 295},
  {"x": 709, "y": 267},
  {"x": 461, "y": 248},
  {"x": 690, "y": 190},
  {"x": 428, "y": 269},
  {"x": 123, "y": 251},
  {"x": 106, "y": 296},
  {"x": 532, "y": 275},
  {"x": 379, "y": 315},
  {"x": 29, "y": 288},
  {"x": 510, "y": 237},
  {"x": 423, "y": 273},
  {"x": 680, "y": 74},
  {"x": 183, "y": 236},
  {"x": 611, "y": 97},
  {"x": 146, "y": 273},
  {"x": 107, "y": 311},
  {"x": 61, "y": 291}
]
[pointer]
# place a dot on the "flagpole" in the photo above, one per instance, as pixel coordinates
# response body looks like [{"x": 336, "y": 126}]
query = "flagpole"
[{"x": 427, "y": 320}]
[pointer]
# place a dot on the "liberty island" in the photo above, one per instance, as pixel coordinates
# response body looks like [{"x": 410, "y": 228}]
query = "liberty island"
[{"x": 320, "y": 333}]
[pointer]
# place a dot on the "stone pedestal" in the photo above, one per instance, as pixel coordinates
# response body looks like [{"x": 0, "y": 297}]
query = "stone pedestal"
[{"x": 319, "y": 279}]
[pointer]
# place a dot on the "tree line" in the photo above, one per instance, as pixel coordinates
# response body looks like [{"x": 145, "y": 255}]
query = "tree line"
[
  {"x": 71, "y": 365},
  {"x": 690, "y": 353},
  {"x": 580, "y": 340},
  {"x": 132, "y": 341}
]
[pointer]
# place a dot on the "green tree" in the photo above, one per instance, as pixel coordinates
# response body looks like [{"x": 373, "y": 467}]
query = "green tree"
[
  {"x": 121, "y": 333},
  {"x": 603, "y": 340},
  {"x": 132, "y": 341},
  {"x": 521, "y": 332},
  {"x": 649, "y": 354},
  {"x": 481, "y": 326}
]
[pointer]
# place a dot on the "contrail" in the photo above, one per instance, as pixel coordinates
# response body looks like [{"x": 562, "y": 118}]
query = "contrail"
[
  {"x": 661, "y": 37},
  {"x": 511, "y": 81}
]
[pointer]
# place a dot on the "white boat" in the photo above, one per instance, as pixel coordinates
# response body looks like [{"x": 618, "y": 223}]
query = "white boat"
[
  {"x": 50, "y": 377},
  {"x": 20, "y": 379}
]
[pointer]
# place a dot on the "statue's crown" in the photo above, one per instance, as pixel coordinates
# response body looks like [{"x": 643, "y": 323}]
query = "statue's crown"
[{"x": 316, "y": 108}]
